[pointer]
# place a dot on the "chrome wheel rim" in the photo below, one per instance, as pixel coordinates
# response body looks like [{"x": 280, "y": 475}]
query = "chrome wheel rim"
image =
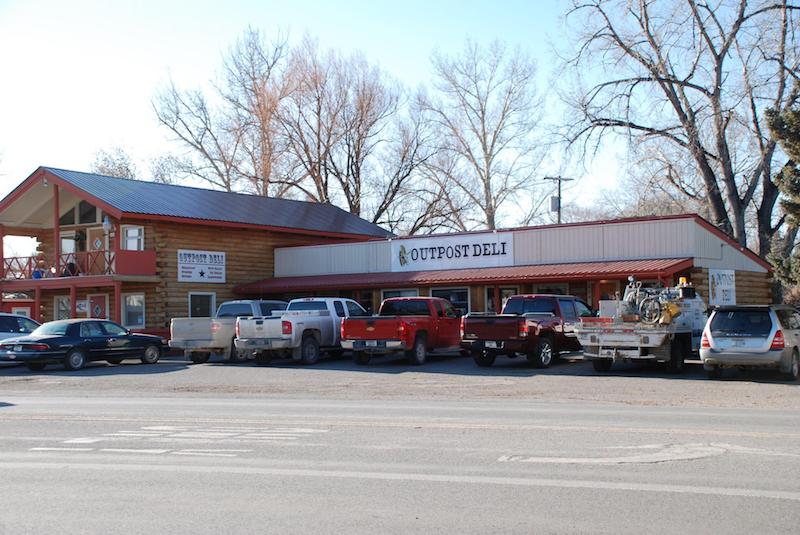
[
  {"x": 546, "y": 354},
  {"x": 309, "y": 350}
]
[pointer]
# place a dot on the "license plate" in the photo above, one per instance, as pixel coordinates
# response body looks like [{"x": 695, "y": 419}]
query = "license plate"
[
  {"x": 738, "y": 343},
  {"x": 17, "y": 348},
  {"x": 371, "y": 343},
  {"x": 491, "y": 344}
]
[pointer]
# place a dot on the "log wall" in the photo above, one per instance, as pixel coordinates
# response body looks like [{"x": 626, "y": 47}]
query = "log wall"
[{"x": 751, "y": 288}]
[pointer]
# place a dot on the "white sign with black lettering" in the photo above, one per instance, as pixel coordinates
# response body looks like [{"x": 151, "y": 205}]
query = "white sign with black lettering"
[
  {"x": 721, "y": 287},
  {"x": 201, "y": 266},
  {"x": 490, "y": 249}
]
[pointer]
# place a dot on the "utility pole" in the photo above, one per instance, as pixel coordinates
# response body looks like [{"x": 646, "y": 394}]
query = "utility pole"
[{"x": 557, "y": 200}]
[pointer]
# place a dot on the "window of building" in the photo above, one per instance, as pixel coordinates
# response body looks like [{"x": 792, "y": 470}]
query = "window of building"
[
  {"x": 61, "y": 307},
  {"x": 459, "y": 297},
  {"x": 202, "y": 304},
  {"x": 132, "y": 238},
  {"x": 68, "y": 218},
  {"x": 411, "y": 292},
  {"x": 133, "y": 311},
  {"x": 87, "y": 213},
  {"x": 505, "y": 293}
]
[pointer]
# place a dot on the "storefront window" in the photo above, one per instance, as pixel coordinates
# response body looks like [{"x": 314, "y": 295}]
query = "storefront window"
[
  {"x": 201, "y": 305},
  {"x": 133, "y": 311},
  {"x": 459, "y": 297},
  {"x": 505, "y": 293}
]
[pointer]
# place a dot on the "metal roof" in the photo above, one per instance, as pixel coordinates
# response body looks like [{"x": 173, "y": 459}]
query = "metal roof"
[
  {"x": 541, "y": 273},
  {"x": 156, "y": 199}
]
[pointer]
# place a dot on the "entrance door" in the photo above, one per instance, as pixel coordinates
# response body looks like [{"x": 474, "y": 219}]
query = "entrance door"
[
  {"x": 98, "y": 306},
  {"x": 96, "y": 246}
]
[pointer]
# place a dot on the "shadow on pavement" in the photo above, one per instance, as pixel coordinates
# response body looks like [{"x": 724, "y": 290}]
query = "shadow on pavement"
[
  {"x": 455, "y": 364},
  {"x": 97, "y": 369}
]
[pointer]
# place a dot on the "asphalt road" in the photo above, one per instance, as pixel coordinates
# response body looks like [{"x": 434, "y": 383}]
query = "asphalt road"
[{"x": 173, "y": 448}]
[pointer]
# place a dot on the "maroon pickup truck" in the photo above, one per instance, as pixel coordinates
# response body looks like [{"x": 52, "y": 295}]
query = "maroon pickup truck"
[
  {"x": 415, "y": 325},
  {"x": 535, "y": 326}
]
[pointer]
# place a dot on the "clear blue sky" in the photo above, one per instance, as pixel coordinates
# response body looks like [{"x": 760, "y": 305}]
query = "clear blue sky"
[{"x": 79, "y": 75}]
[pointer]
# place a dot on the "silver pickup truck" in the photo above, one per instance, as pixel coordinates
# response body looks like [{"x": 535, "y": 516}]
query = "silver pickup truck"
[
  {"x": 306, "y": 327},
  {"x": 199, "y": 337}
]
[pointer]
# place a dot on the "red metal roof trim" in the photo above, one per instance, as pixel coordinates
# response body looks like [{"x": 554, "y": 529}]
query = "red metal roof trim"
[{"x": 542, "y": 273}]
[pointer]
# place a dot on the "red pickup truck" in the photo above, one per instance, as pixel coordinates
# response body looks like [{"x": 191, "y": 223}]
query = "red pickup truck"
[
  {"x": 416, "y": 325},
  {"x": 536, "y": 326}
]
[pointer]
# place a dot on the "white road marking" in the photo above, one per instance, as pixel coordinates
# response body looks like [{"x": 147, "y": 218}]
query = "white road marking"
[
  {"x": 86, "y": 440},
  {"x": 133, "y": 450},
  {"x": 132, "y": 434},
  {"x": 201, "y": 454},
  {"x": 61, "y": 449},
  {"x": 659, "y": 454},
  {"x": 168, "y": 428},
  {"x": 419, "y": 477}
]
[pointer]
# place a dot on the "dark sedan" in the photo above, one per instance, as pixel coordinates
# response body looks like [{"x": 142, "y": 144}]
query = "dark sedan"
[{"x": 73, "y": 343}]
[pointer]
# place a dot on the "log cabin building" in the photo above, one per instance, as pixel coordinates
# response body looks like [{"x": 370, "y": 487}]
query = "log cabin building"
[{"x": 141, "y": 253}]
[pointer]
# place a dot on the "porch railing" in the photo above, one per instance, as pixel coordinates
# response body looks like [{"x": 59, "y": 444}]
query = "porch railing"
[{"x": 103, "y": 262}]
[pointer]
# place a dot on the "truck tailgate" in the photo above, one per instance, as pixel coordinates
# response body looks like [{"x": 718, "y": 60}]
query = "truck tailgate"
[
  {"x": 260, "y": 327},
  {"x": 373, "y": 328},
  {"x": 214, "y": 333},
  {"x": 492, "y": 327}
]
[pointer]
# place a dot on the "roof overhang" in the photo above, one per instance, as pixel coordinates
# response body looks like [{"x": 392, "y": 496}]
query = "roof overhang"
[{"x": 643, "y": 269}]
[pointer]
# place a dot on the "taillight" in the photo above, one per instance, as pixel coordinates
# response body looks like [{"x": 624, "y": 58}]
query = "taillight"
[
  {"x": 778, "y": 342},
  {"x": 37, "y": 347},
  {"x": 523, "y": 328},
  {"x": 461, "y": 329},
  {"x": 236, "y": 330},
  {"x": 286, "y": 327},
  {"x": 401, "y": 330},
  {"x": 214, "y": 327},
  {"x": 704, "y": 342},
  {"x": 341, "y": 330}
]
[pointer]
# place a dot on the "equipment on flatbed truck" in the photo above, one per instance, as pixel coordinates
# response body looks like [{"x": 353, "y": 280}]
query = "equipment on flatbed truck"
[{"x": 654, "y": 324}]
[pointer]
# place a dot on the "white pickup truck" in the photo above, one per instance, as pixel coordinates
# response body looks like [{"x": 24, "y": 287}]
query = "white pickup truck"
[
  {"x": 199, "y": 337},
  {"x": 306, "y": 327}
]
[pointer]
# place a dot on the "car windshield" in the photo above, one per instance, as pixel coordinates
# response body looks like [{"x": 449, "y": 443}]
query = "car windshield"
[
  {"x": 52, "y": 328},
  {"x": 308, "y": 305},
  {"x": 752, "y": 323}
]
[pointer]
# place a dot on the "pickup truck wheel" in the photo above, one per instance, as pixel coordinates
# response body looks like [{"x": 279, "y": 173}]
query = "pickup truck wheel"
[
  {"x": 199, "y": 358},
  {"x": 543, "y": 355},
  {"x": 263, "y": 358},
  {"x": 360, "y": 358},
  {"x": 235, "y": 354},
  {"x": 602, "y": 365},
  {"x": 483, "y": 358},
  {"x": 419, "y": 353},
  {"x": 676, "y": 356},
  {"x": 309, "y": 349}
]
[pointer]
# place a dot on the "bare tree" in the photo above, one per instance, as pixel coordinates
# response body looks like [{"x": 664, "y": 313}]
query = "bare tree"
[
  {"x": 114, "y": 162},
  {"x": 484, "y": 107},
  {"x": 232, "y": 143},
  {"x": 690, "y": 81}
]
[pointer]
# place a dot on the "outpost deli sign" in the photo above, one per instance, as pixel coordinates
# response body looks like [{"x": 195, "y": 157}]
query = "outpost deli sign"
[{"x": 491, "y": 249}]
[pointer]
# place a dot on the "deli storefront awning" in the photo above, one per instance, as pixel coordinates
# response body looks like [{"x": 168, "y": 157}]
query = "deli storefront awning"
[{"x": 641, "y": 269}]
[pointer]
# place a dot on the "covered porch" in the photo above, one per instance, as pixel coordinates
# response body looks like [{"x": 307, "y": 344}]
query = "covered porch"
[{"x": 77, "y": 242}]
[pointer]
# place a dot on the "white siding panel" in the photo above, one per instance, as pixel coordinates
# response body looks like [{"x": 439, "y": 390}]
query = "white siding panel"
[
  {"x": 648, "y": 239},
  {"x": 715, "y": 253},
  {"x": 571, "y": 244},
  {"x": 365, "y": 257}
]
